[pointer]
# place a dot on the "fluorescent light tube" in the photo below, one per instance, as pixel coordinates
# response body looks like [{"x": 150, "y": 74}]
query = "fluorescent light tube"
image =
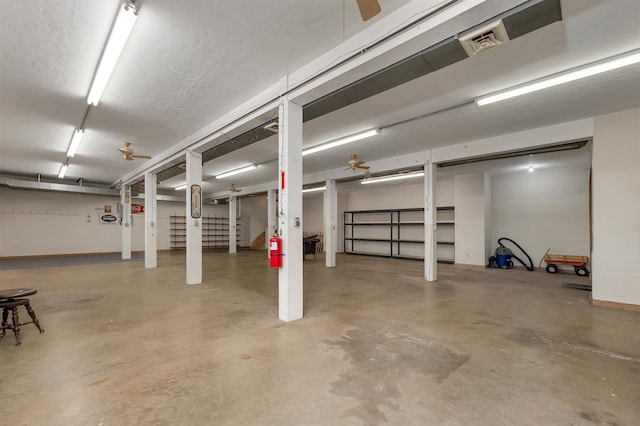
[
  {"x": 62, "y": 171},
  {"x": 320, "y": 188},
  {"x": 236, "y": 171},
  {"x": 75, "y": 142},
  {"x": 341, "y": 141},
  {"x": 122, "y": 27},
  {"x": 392, "y": 177},
  {"x": 180, "y": 187},
  {"x": 589, "y": 70}
]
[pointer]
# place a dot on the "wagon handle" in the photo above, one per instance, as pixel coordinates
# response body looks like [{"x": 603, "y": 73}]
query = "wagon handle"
[{"x": 543, "y": 256}]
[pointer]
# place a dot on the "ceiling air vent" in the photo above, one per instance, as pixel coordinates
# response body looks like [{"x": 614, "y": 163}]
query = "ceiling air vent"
[
  {"x": 272, "y": 127},
  {"x": 486, "y": 37}
]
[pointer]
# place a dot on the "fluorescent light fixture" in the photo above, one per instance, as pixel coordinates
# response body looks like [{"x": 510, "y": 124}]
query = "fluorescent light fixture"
[
  {"x": 62, "y": 171},
  {"x": 341, "y": 141},
  {"x": 392, "y": 177},
  {"x": 588, "y": 70},
  {"x": 531, "y": 169},
  {"x": 180, "y": 187},
  {"x": 236, "y": 171},
  {"x": 122, "y": 27},
  {"x": 75, "y": 142},
  {"x": 320, "y": 188}
]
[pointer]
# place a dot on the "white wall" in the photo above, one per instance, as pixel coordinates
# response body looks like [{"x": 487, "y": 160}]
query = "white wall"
[
  {"x": 445, "y": 192},
  {"x": 40, "y": 223},
  {"x": 343, "y": 202},
  {"x": 540, "y": 210},
  {"x": 616, "y": 208},
  {"x": 312, "y": 212},
  {"x": 388, "y": 195},
  {"x": 488, "y": 201},
  {"x": 470, "y": 220},
  {"x": 33, "y": 223},
  {"x": 253, "y": 212},
  {"x": 380, "y": 196},
  {"x": 544, "y": 209}
]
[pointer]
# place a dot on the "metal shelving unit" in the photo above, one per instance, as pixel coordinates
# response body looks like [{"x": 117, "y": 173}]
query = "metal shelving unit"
[
  {"x": 392, "y": 233},
  {"x": 215, "y": 232}
]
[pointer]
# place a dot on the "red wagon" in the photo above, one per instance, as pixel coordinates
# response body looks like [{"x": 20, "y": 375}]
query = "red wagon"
[{"x": 579, "y": 263}]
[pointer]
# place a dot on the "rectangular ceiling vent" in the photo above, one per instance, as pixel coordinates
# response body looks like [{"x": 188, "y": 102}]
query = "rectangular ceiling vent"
[{"x": 484, "y": 38}]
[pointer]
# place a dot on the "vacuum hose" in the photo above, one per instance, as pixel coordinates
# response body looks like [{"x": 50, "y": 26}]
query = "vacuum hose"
[{"x": 530, "y": 266}]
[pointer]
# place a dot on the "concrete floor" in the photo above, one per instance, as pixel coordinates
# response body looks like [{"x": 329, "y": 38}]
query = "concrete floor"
[{"x": 127, "y": 346}]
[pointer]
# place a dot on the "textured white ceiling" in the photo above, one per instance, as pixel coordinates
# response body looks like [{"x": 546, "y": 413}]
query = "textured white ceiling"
[
  {"x": 186, "y": 63},
  {"x": 189, "y": 62},
  {"x": 576, "y": 40}
]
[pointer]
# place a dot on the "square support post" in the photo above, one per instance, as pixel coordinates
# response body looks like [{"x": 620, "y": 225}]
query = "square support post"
[
  {"x": 330, "y": 204},
  {"x": 125, "y": 201},
  {"x": 194, "y": 217},
  {"x": 430, "y": 224},
  {"x": 290, "y": 296},
  {"x": 233, "y": 213},
  {"x": 150, "y": 221}
]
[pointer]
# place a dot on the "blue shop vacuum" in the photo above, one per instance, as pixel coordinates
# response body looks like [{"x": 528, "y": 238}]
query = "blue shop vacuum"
[{"x": 504, "y": 254}]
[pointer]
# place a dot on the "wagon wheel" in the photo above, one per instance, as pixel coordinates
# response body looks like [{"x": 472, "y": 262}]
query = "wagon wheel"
[
  {"x": 582, "y": 271},
  {"x": 552, "y": 268}
]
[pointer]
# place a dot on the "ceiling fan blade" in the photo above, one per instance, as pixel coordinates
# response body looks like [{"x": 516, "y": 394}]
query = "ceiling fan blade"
[
  {"x": 368, "y": 8},
  {"x": 358, "y": 163},
  {"x": 148, "y": 157},
  {"x": 362, "y": 167},
  {"x": 128, "y": 157}
]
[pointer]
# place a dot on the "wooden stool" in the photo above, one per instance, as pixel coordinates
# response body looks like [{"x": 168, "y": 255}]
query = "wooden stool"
[{"x": 12, "y": 305}]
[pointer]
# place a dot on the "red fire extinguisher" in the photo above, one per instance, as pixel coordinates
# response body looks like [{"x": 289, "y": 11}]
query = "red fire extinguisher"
[{"x": 275, "y": 250}]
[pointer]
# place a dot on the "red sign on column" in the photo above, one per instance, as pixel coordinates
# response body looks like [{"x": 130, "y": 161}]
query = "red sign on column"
[{"x": 137, "y": 208}]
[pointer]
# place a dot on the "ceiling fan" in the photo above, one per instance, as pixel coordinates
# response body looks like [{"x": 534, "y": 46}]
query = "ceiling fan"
[
  {"x": 232, "y": 189},
  {"x": 354, "y": 163},
  {"x": 128, "y": 154},
  {"x": 368, "y": 8}
]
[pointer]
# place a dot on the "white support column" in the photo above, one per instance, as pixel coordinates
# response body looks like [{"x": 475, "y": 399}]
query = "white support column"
[
  {"x": 330, "y": 204},
  {"x": 125, "y": 201},
  {"x": 233, "y": 213},
  {"x": 194, "y": 217},
  {"x": 150, "y": 221},
  {"x": 290, "y": 202},
  {"x": 272, "y": 226},
  {"x": 430, "y": 227}
]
